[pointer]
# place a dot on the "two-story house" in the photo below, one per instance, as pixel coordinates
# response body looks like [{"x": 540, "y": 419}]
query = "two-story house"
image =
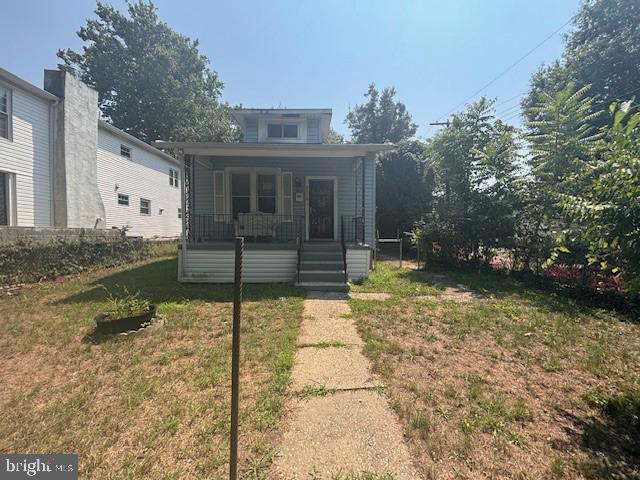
[
  {"x": 60, "y": 166},
  {"x": 306, "y": 208}
]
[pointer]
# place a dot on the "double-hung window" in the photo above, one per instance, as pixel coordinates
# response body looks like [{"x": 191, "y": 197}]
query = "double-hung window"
[
  {"x": 123, "y": 199},
  {"x": 125, "y": 151},
  {"x": 5, "y": 112},
  {"x": 266, "y": 194},
  {"x": 240, "y": 193},
  {"x": 174, "y": 178},
  {"x": 145, "y": 206},
  {"x": 253, "y": 191},
  {"x": 282, "y": 130}
]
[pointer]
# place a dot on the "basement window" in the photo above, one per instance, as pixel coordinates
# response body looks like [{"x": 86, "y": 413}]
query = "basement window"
[
  {"x": 125, "y": 151},
  {"x": 123, "y": 199},
  {"x": 145, "y": 206}
]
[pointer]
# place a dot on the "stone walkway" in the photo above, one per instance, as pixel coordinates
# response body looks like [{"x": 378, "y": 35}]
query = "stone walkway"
[{"x": 338, "y": 422}]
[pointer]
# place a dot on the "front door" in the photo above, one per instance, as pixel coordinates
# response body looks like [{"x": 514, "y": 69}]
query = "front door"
[{"x": 321, "y": 209}]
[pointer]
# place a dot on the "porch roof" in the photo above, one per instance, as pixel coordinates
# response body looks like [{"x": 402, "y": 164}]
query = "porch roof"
[{"x": 270, "y": 150}]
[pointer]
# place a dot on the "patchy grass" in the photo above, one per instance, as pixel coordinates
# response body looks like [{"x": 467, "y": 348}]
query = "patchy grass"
[
  {"x": 310, "y": 391},
  {"x": 147, "y": 407},
  {"x": 521, "y": 383},
  {"x": 390, "y": 278}
]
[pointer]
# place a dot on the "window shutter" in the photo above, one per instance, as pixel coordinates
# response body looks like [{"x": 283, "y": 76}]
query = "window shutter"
[
  {"x": 219, "y": 194},
  {"x": 287, "y": 194}
]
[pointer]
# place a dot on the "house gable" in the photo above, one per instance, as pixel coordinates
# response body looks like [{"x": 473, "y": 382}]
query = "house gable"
[{"x": 283, "y": 125}]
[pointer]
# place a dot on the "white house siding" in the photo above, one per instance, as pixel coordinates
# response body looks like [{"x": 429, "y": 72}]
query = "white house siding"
[
  {"x": 358, "y": 263},
  {"x": 349, "y": 194},
  {"x": 27, "y": 157},
  {"x": 145, "y": 175},
  {"x": 259, "y": 266}
]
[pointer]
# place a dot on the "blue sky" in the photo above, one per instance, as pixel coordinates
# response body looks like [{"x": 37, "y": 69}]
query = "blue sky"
[{"x": 302, "y": 53}]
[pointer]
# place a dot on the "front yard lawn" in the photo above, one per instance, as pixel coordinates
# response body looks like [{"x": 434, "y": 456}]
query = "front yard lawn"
[
  {"x": 519, "y": 383},
  {"x": 154, "y": 407}
]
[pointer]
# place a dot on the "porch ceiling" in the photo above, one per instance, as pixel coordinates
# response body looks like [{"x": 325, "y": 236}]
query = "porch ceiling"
[{"x": 275, "y": 150}]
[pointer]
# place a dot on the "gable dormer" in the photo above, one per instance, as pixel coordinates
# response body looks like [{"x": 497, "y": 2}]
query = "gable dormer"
[{"x": 283, "y": 125}]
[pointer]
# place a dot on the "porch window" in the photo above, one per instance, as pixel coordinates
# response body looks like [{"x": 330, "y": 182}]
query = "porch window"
[
  {"x": 266, "y": 193},
  {"x": 240, "y": 193}
]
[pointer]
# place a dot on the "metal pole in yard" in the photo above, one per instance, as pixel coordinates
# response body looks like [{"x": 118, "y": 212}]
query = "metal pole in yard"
[
  {"x": 400, "y": 242},
  {"x": 235, "y": 361}
]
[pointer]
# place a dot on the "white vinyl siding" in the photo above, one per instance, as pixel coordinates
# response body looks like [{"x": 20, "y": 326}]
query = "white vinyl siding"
[
  {"x": 26, "y": 156},
  {"x": 358, "y": 263},
  {"x": 143, "y": 177},
  {"x": 259, "y": 266}
]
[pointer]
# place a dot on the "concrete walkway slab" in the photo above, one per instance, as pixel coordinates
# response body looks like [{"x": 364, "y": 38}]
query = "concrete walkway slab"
[
  {"x": 349, "y": 430},
  {"x": 316, "y": 331},
  {"x": 334, "y": 368}
]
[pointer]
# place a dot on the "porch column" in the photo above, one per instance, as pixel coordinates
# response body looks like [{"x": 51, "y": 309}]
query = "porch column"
[
  {"x": 187, "y": 198},
  {"x": 363, "y": 163}
]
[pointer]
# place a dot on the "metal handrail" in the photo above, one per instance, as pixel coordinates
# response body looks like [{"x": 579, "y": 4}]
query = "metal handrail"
[
  {"x": 300, "y": 245},
  {"x": 224, "y": 227},
  {"x": 344, "y": 250}
]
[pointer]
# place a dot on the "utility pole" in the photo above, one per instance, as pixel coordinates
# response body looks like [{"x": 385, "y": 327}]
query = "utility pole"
[{"x": 447, "y": 123}]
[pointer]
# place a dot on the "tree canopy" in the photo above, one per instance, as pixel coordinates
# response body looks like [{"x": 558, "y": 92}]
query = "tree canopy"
[
  {"x": 602, "y": 50},
  {"x": 152, "y": 82},
  {"x": 380, "y": 119}
]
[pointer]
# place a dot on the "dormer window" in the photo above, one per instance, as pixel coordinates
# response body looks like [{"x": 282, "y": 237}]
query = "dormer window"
[{"x": 282, "y": 130}]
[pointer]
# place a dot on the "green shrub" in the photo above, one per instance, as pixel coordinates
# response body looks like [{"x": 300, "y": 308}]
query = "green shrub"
[{"x": 33, "y": 261}]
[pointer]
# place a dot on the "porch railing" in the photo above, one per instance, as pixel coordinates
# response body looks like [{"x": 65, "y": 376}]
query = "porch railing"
[
  {"x": 256, "y": 227},
  {"x": 353, "y": 229}
]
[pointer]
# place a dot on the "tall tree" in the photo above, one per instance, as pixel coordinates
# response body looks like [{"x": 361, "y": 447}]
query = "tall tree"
[
  {"x": 381, "y": 119},
  {"x": 602, "y": 50},
  {"x": 403, "y": 187},
  {"x": 152, "y": 82},
  {"x": 474, "y": 160}
]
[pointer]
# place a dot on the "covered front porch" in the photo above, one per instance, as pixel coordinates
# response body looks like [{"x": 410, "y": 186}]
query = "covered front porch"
[{"x": 307, "y": 212}]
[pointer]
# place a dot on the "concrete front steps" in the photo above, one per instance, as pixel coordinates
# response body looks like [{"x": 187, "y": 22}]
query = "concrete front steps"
[{"x": 322, "y": 267}]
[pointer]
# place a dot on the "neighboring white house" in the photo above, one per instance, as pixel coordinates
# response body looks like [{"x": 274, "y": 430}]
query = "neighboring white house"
[
  {"x": 139, "y": 185},
  {"x": 62, "y": 167}
]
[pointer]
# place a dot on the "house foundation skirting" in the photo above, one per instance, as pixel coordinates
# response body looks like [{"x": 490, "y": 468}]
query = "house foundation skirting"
[{"x": 262, "y": 263}]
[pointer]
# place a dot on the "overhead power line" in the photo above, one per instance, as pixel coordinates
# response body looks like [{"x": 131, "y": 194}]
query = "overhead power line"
[{"x": 508, "y": 69}]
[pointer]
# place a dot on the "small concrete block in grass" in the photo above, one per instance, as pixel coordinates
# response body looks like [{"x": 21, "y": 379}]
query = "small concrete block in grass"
[{"x": 370, "y": 296}]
